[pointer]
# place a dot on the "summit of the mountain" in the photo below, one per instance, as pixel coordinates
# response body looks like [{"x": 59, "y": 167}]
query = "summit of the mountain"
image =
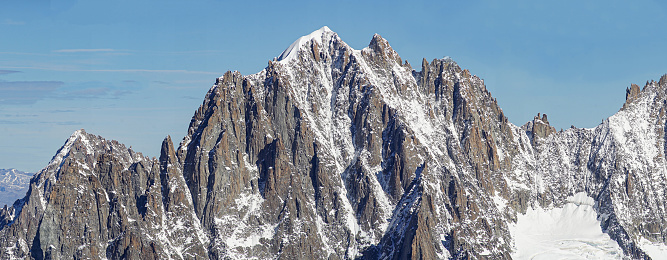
[{"x": 321, "y": 35}]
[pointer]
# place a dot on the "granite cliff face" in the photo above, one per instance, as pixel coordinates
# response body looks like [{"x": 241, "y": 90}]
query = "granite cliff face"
[{"x": 337, "y": 153}]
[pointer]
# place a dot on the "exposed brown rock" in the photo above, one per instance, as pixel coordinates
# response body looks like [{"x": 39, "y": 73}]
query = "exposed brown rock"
[
  {"x": 632, "y": 92},
  {"x": 541, "y": 127}
]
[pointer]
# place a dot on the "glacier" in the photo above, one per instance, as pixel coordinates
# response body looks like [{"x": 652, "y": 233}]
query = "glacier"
[{"x": 570, "y": 232}]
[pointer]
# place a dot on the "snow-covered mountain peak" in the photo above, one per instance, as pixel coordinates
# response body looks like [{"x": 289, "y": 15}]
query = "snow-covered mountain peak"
[
  {"x": 337, "y": 153},
  {"x": 81, "y": 152},
  {"x": 78, "y": 135},
  {"x": 292, "y": 51}
]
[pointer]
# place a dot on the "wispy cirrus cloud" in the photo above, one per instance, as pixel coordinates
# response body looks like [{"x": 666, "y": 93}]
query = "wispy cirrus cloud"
[
  {"x": 5, "y": 72},
  {"x": 29, "y": 92},
  {"x": 102, "y": 92},
  {"x": 70, "y": 69},
  {"x": 62, "y": 111},
  {"x": 12, "y": 22},
  {"x": 207, "y": 52},
  {"x": 66, "y": 123},
  {"x": 83, "y": 50},
  {"x": 17, "y": 115},
  {"x": 93, "y": 89},
  {"x": 26, "y": 92},
  {"x": 24, "y": 122},
  {"x": 156, "y": 71},
  {"x": 13, "y": 122},
  {"x": 25, "y": 53}
]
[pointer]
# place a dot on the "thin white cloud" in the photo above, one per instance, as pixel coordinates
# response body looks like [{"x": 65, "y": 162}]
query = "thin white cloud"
[
  {"x": 26, "y": 53},
  {"x": 84, "y": 50},
  {"x": 3, "y": 72},
  {"x": 156, "y": 71},
  {"x": 56, "y": 68},
  {"x": 26, "y": 92},
  {"x": 12, "y": 22},
  {"x": 187, "y": 52}
]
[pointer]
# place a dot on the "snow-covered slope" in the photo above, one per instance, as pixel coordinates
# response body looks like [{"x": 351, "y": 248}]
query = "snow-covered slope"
[
  {"x": 620, "y": 163},
  {"x": 293, "y": 50},
  {"x": 336, "y": 153},
  {"x": 570, "y": 232}
]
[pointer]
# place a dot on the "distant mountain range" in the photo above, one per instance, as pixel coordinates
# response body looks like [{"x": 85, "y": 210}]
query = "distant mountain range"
[
  {"x": 13, "y": 185},
  {"x": 336, "y": 153}
]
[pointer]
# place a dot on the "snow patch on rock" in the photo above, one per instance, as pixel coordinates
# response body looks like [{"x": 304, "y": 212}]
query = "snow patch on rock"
[
  {"x": 292, "y": 51},
  {"x": 656, "y": 251}
]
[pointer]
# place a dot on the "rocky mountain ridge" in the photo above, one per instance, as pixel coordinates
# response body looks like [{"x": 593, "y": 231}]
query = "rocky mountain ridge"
[{"x": 337, "y": 153}]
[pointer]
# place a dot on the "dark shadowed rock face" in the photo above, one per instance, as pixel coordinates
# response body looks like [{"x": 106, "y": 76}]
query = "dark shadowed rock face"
[{"x": 336, "y": 153}]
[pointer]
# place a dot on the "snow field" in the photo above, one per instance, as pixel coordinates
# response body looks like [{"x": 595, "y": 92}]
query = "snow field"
[{"x": 570, "y": 232}]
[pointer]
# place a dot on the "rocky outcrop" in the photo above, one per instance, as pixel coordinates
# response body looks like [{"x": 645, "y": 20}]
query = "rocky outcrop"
[
  {"x": 632, "y": 92},
  {"x": 538, "y": 128}
]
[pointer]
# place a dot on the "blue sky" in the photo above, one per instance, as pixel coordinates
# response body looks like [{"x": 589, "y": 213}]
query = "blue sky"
[{"x": 135, "y": 71}]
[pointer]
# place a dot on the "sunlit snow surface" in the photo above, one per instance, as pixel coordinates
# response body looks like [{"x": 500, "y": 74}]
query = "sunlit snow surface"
[
  {"x": 570, "y": 232},
  {"x": 656, "y": 251}
]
